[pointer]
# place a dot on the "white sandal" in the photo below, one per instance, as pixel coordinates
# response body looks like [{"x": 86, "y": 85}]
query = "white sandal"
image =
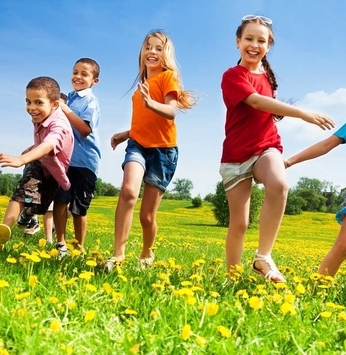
[{"x": 273, "y": 271}]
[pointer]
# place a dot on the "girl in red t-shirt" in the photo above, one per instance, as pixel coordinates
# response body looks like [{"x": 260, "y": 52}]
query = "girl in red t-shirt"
[{"x": 252, "y": 146}]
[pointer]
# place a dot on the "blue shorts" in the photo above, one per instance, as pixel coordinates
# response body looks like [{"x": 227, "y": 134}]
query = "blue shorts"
[
  {"x": 79, "y": 195},
  {"x": 159, "y": 164}
]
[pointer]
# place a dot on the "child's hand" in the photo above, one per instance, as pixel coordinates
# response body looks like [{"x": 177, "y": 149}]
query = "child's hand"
[
  {"x": 118, "y": 138},
  {"x": 320, "y": 120},
  {"x": 287, "y": 164},
  {"x": 145, "y": 94},
  {"x": 9, "y": 160}
]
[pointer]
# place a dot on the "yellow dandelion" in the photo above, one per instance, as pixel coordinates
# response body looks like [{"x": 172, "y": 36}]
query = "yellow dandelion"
[
  {"x": 123, "y": 278},
  {"x": 186, "y": 332},
  {"x": 11, "y": 260},
  {"x": 196, "y": 277},
  {"x": 342, "y": 316},
  {"x": 70, "y": 281},
  {"x": 326, "y": 314},
  {"x": 55, "y": 325},
  {"x": 288, "y": 308},
  {"x": 91, "y": 263},
  {"x": 280, "y": 285},
  {"x": 214, "y": 294},
  {"x": 54, "y": 253},
  {"x": 135, "y": 349},
  {"x": 315, "y": 276},
  {"x": 191, "y": 300},
  {"x": 131, "y": 312},
  {"x": 33, "y": 257},
  {"x": 91, "y": 287},
  {"x": 117, "y": 295},
  {"x": 255, "y": 303},
  {"x": 22, "y": 296},
  {"x": 277, "y": 298},
  {"x": 89, "y": 315},
  {"x": 300, "y": 289},
  {"x": 335, "y": 306},
  {"x": 159, "y": 287},
  {"x": 44, "y": 254},
  {"x": 218, "y": 261},
  {"x": 70, "y": 304},
  {"x": 155, "y": 314},
  {"x": 4, "y": 352},
  {"x": 86, "y": 275},
  {"x": 33, "y": 280},
  {"x": 4, "y": 283},
  {"x": 75, "y": 252},
  {"x": 242, "y": 293},
  {"x": 42, "y": 242},
  {"x": 225, "y": 332},
  {"x": 197, "y": 288},
  {"x": 211, "y": 309},
  {"x": 201, "y": 341},
  {"x": 53, "y": 300},
  {"x": 290, "y": 298},
  {"x": 38, "y": 302},
  {"x": 186, "y": 283}
]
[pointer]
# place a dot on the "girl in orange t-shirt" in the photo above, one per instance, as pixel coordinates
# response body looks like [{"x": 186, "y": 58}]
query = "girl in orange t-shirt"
[{"x": 151, "y": 152}]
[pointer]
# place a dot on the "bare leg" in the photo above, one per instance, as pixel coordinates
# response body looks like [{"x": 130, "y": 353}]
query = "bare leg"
[
  {"x": 48, "y": 225},
  {"x": 151, "y": 199},
  {"x": 12, "y": 212},
  {"x": 336, "y": 256},
  {"x": 270, "y": 171},
  {"x": 133, "y": 175},
  {"x": 239, "y": 203},
  {"x": 80, "y": 227},
  {"x": 60, "y": 218}
]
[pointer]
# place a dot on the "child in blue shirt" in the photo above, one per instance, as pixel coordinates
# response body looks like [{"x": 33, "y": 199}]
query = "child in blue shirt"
[
  {"x": 83, "y": 112},
  {"x": 336, "y": 256}
]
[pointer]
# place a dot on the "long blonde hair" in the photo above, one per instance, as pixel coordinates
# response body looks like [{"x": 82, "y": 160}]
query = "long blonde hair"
[{"x": 185, "y": 98}]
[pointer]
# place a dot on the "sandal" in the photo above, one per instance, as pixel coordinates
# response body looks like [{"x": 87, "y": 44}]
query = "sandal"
[
  {"x": 272, "y": 273},
  {"x": 111, "y": 263},
  {"x": 146, "y": 261},
  {"x": 5, "y": 234}
]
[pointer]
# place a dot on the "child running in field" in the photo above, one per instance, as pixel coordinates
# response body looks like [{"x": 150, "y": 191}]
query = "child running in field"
[
  {"x": 83, "y": 112},
  {"x": 152, "y": 152},
  {"x": 252, "y": 147},
  {"x": 46, "y": 162},
  {"x": 336, "y": 256}
]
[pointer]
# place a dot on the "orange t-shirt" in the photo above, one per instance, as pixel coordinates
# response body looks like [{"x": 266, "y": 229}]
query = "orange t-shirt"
[{"x": 148, "y": 128}]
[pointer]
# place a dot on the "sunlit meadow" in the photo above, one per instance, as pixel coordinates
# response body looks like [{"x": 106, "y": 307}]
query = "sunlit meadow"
[{"x": 185, "y": 303}]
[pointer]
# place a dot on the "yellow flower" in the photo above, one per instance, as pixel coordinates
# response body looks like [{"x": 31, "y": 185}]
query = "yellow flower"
[
  {"x": 342, "y": 316},
  {"x": 196, "y": 277},
  {"x": 70, "y": 281},
  {"x": 33, "y": 257},
  {"x": 55, "y": 325},
  {"x": 11, "y": 260},
  {"x": 280, "y": 285},
  {"x": 44, "y": 254},
  {"x": 91, "y": 287},
  {"x": 242, "y": 293},
  {"x": 4, "y": 352},
  {"x": 54, "y": 252},
  {"x": 135, "y": 349},
  {"x": 20, "y": 312},
  {"x": 38, "y": 302},
  {"x": 107, "y": 287},
  {"x": 186, "y": 332},
  {"x": 122, "y": 277},
  {"x": 159, "y": 287},
  {"x": 201, "y": 341},
  {"x": 86, "y": 275},
  {"x": 255, "y": 303},
  {"x": 315, "y": 276},
  {"x": 3, "y": 284},
  {"x": 214, "y": 294},
  {"x": 130, "y": 312},
  {"x": 42, "y": 242},
  {"x": 225, "y": 332},
  {"x": 290, "y": 298},
  {"x": 89, "y": 315},
  {"x": 335, "y": 306},
  {"x": 198, "y": 262},
  {"x": 186, "y": 283},
  {"x": 326, "y": 314},
  {"x": 288, "y": 308},
  {"x": 21, "y": 296},
  {"x": 70, "y": 304},
  {"x": 191, "y": 300},
  {"x": 33, "y": 280},
  {"x": 53, "y": 299},
  {"x": 300, "y": 289},
  {"x": 211, "y": 309},
  {"x": 91, "y": 263},
  {"x": 277, "y": 298},
  {"x": 155, "y": 313}
]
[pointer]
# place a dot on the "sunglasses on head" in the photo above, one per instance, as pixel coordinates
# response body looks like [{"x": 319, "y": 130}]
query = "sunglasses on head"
[{"x": 266, "y": 20}]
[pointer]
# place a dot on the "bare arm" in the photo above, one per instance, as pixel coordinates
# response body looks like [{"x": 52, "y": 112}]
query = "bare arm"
[
  {"x": 315, "y": 150},
  {"x": 167, "y": 110},
  {"x": 280, "y": 108},
  {"x": 34, "y": 154},
  {"x": 118, "y": 138},
  {"x": 78, "y": 123}
]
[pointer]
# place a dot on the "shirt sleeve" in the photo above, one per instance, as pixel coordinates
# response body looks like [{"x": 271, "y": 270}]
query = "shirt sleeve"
[
  {"x": 91, "y": 112},
  {"x": 341, "y": 133},
  {"x": 169, "y": 84},
  {"x": 235, "y": 88}
]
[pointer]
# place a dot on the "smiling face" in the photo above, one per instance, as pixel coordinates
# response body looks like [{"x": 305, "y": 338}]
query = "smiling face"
[
  {"x": 83, "y": 76},
  {"x": 151, "y": 55},
  {"x": 253, "y": 44},
  {"x": 38, "y": 105}
]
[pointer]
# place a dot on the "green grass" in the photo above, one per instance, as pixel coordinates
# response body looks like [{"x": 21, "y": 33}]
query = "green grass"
[{"x": 184, "y": 304}]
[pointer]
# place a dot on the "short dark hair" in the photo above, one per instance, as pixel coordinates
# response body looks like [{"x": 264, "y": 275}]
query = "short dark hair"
[
  {"x": 63, "y": 97},
  {"x": 49, "y": 85},
  {"x": 93, "y": 64}
]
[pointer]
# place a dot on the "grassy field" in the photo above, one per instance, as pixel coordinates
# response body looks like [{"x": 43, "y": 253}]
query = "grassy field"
[{"x": 184, "y": 304}]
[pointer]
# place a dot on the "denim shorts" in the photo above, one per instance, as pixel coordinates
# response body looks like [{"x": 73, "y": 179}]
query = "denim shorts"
[
  {"x": 79, "y": 195},
  {"x": 233, "y": 173},
  {"x": 35, "y": 189},
  {"x": 159, "y": 164}
]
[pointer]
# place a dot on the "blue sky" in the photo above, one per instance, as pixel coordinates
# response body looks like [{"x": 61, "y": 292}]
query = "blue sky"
[{"x": 47, "y": 37}]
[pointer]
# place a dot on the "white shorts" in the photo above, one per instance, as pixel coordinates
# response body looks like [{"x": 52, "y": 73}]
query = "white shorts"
[
  {"x": 233, "y": 173},
  {"x": 50, "y": 208}
]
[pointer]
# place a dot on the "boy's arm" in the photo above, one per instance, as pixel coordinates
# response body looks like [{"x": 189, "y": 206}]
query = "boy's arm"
[
  {"x": 78, "y": 123},
  {"x": 34, "y": 154},
  {"x": 315, "y": 150}
]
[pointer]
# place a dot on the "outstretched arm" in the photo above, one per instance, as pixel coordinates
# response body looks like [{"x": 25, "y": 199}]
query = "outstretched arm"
[
  {"x": 118, "y": 138},
  {"x": 268, "y": 104},
  {"x": 315, "y": 150},
  {"x": 34, "y": 154}
]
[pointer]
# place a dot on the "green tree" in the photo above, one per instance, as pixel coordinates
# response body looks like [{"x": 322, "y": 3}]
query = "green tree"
[
  {"x": 197, "y": 201},
  {"x": 183, "y": 188},
  {"x": 294, "y": 203}
]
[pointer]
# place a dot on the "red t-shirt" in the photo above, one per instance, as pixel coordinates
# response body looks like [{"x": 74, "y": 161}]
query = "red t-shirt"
[{"x": 248, "y": 131}]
